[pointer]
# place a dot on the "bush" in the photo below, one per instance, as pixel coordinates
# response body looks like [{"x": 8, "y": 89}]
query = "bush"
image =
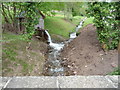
[
  {"x": 106, "y": 19},
  {"x": 115, "y": 72}
]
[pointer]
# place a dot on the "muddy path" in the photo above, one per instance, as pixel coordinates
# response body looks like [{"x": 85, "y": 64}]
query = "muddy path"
[{"x": 85, "y": 56}]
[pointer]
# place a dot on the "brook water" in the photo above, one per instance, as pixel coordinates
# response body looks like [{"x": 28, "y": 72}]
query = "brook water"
[{"x": 53, "y": 66}]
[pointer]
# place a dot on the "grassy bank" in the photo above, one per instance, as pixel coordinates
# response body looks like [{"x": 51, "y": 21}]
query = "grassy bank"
[
  {"x": 88, "y": 21},
  {"x": 77, "y": 19},
  {"x": 59, "y": 26},
  {"x": 21, "y": 57}
]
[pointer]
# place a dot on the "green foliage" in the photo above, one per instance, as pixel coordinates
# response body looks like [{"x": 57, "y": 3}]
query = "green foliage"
[
  {"x": 115, "y": 72},
  {"x": 79, "y": 8},
  {"x": 88, "y": 21},
  {"x": 12, "y": 10},
  {"x": 31, "y": 16},
  {"x": 107, "y": 22}
]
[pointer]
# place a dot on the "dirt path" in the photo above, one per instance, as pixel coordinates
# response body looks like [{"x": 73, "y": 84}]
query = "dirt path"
[{"x": 86, "y": 55}]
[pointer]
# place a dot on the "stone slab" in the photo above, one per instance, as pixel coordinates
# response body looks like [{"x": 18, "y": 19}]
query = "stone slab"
[{"x": 61, "y": 82}]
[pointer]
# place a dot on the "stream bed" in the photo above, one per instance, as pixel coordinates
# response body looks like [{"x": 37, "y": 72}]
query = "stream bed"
[{"x": 55, "y": 66}]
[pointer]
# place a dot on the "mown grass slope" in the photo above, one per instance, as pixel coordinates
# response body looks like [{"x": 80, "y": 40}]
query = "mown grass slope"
[{"x": 60, "y": 26}]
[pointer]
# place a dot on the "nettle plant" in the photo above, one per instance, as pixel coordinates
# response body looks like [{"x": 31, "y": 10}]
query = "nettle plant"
[{"x": 106, "y": 19}]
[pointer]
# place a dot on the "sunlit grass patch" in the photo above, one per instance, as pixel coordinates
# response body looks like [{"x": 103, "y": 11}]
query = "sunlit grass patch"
[{"x": 59, "y": 26}]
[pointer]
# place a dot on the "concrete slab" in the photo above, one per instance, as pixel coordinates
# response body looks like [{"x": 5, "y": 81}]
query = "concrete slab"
[
  {"x": 85, "y": 82},
  {"x": 4, "y": 81},
  {"x": 61, "y": 82},
  {"x": 32, "y": 82},
  {"x": 114, "y": 80}
]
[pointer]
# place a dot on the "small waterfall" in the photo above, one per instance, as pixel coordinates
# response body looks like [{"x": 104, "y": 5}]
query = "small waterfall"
[
  {"x": 56, "y": 46},
  {"x": 73, "y": 35},
  {"x": 80, "y": 24},
  {"x": 49, "y": 37},
  {"x": 53, "y": 66}
]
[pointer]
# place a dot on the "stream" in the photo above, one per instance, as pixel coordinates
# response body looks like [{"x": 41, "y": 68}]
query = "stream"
[{"x": 53, "y": 66}]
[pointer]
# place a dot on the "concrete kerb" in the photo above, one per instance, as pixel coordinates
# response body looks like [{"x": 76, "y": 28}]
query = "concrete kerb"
[{"x": 60, "y": 82}]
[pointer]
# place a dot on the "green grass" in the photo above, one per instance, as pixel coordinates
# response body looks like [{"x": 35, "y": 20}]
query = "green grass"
[
  {"x": 88, "y": 21},
  {"x": 59, "y": 26},
  {"x": 59, "y": 14},
  {"x": 10, "y": 53},
  {"x": 12, "y": 37},
  {"x": 77, "y": 19},
  {"x": 14, "y": 55}
]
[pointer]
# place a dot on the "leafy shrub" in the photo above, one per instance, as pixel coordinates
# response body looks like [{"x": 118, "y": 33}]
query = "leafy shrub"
[
  {"x": 106, "y": 19},
  {"x": 115, "y": 72}
]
